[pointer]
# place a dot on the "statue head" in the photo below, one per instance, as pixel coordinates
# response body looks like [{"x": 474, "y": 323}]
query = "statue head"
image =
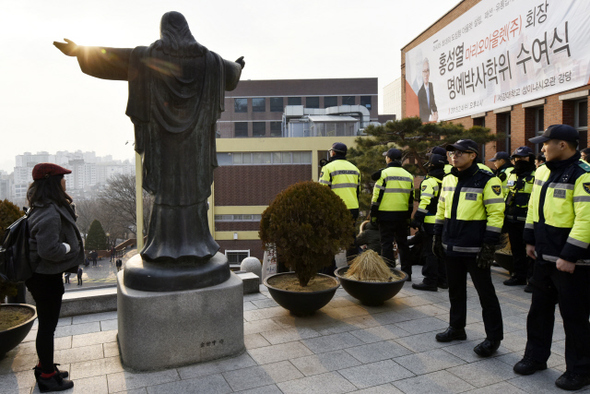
[{"x": 175, "y": 35}]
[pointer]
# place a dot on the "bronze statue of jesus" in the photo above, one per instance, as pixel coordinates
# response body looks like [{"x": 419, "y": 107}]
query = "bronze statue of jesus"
[{"x": 176, "y": 95}]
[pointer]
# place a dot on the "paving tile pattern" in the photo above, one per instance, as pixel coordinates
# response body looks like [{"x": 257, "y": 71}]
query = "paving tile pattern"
[{"x": 345, "y": 347}]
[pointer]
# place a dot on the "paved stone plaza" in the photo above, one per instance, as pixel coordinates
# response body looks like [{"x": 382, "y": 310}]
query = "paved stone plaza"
[{"x": 345, "y": 347}]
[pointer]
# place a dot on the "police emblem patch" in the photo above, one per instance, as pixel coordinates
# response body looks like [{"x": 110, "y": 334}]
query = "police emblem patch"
[
  {"x": 497, "y": 189},
  {"x": 423, "y": 187},
  {"x": 586, "y": 187}
]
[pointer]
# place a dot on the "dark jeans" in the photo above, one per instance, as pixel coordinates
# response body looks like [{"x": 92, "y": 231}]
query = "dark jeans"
[
  {"x": 457, "y": 269},
  {"x": 523, "y": 265},
  {"x": 47, "y": 291},
  {"x": 434, "y": 270},
  {"x": 572, "y": 292},
  {"x": 396, "y": 231}
]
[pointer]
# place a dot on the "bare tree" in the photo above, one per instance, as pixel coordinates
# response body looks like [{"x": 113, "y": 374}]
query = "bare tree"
[{"x": 117, "y": 201}]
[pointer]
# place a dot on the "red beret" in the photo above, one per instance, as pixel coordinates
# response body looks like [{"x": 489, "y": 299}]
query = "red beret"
[{"x": 45, "y": 170}]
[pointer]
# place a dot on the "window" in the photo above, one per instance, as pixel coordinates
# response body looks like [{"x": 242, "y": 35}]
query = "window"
[
  {"x": 240, "y": 105},
  {"x": 301, "y": 157},
  {"x": 258, "y": 129},
  {"x": 366, "y": 101},
  {"x": 276, "y": 104},
  {"x": 236, "y": 256},
  {"x": 294, "y": 101},
  {"x": 581, "y": 115},
  {"x": 258, "y": 104},
  {"x": 330, "y": 101},
  {"x": 508, "y": 131},
  {"x": 312, "y": 102},
  {"x": 348, "y": 100},
  {"x": 263, "y": 158},
  {"x": 238, "y": 218},
  {"x": 539, "y": 125},
  {"x": 275, "y": 129},
  {"x": 241, "y": 129}
]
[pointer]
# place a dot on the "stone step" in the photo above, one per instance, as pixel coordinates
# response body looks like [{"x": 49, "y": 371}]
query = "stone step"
[{"x": 104, "y": 299}]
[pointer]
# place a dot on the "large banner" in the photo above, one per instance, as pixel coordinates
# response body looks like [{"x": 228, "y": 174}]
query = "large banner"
[{"x": 499, "y": 53}]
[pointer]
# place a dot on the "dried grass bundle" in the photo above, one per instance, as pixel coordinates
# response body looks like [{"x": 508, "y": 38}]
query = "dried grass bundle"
[{"x": 370, "y": 267}]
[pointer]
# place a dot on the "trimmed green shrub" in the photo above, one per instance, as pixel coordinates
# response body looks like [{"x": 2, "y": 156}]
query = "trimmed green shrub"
[{"x": 308, "y": 224}]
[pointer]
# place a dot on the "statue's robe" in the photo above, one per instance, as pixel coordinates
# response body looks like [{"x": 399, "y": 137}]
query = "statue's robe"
[{"x": 174, "y": 102}]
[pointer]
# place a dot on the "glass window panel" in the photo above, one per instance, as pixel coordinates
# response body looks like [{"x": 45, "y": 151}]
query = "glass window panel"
[
  {"x": 366, "y": 101},
  {"x": 224, "y": 159},
  {"x": 582, "y": 114},
  {"x": 312, "y": 102},
  {"x": 276, "y": 157},
  {"x": 294, "y": 101},
  {"x": 237, "y": 158},
  {"x": 330, "y": 101},
  {"x": 306, "y": 157},
  {"x": 240, "y": 105},
  {"x": 275, "y": 129},
  {"x": 296, "y": 157},
  {"x": 246, "y": 158},
  {"x": 276, "y": 104},
  {"x": 246, "y": 217},
  {"x": 259, "y": 129},
  {"x": 258, "y": 104},
  {"x": 261, "y": 158},
  {"x": 348, "y": 100},
  {"x": 241, "y": 129}
]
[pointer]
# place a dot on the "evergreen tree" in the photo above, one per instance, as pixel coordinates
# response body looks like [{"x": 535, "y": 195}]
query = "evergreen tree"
[
  {"x": 414, "y": 139},
  {"x": 9, "y": 213},
  {"x": 96, "y": 239}
]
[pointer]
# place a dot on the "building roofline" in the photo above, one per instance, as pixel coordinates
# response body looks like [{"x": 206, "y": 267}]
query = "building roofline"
[{"x": 434, "y": 23}]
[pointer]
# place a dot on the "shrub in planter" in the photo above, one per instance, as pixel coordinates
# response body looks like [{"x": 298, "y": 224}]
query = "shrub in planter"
[{"x": 308, "y": 224}]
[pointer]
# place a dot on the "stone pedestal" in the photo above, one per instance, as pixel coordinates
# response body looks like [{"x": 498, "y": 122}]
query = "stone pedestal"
[{"x": 160, "y": 330}]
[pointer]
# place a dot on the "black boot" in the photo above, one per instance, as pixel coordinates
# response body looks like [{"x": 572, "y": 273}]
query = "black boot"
[{"x": 54, "y": 383}]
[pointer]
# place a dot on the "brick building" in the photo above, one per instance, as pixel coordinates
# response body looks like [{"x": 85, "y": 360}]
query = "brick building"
[
  {"x": 518, "y": 106},
  {"x": 257, "y": 161}
]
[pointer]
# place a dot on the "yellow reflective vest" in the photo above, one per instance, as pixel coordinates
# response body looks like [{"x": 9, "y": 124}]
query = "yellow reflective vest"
[
  {"x": 470, "y": 211},
  {"x": 344, "y": 178},
  {"x": 429, "y": 193},
  {"x": 392, "y": 194},
  {"x": 558, "y": 219}
]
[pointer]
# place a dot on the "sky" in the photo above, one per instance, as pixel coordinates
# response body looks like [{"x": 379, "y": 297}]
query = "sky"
[{"x": 48, "y": 104}]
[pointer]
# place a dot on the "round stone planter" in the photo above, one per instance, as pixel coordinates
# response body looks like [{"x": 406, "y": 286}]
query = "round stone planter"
[
  {"x": 300, "y": 303},
  {"x": 371, "y": 293},
  {"x": 10, "y": 338}
]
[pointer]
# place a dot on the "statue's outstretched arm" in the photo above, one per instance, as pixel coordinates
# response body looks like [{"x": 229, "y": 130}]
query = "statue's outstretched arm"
[{"x": 68, "y": 47}]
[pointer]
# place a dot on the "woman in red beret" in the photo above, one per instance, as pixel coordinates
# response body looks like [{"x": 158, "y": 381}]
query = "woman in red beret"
[{"x": 56, "y": 247}]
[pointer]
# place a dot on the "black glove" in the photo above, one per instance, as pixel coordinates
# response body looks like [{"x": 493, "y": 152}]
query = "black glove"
[
  {"x": 437, "y": 247},
  {"x": 485, "y": 257},
  {"x": 415, "y": 223}
]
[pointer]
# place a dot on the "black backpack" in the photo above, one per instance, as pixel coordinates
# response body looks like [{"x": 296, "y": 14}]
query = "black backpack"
[{"x": 15, "y": 262}]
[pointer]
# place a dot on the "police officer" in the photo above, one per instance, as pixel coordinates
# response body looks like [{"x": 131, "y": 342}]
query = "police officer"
[
  {"x": 433, "y": 269},
  {"x": 392, "y": 206},
  {"x": 557, "y": 234},
  {"x": 344, "y": 178},
  {"x": 520, "y": 184},
  {"x": 503, "y": 168},
  {"x": 468, "y": 224},
  {"x": 439, "y": 150}
]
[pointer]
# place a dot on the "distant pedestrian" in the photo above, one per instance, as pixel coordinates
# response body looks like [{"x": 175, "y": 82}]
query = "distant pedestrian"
[
  {"x": 119, "y": 264},
  {"x": 94, "y": 257},
  {"x": 80, "y": 276},
  {"x": 67, "y": 278},
  {"x": 369, "y": 238},
  {"x": 113, "y": 254}
]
